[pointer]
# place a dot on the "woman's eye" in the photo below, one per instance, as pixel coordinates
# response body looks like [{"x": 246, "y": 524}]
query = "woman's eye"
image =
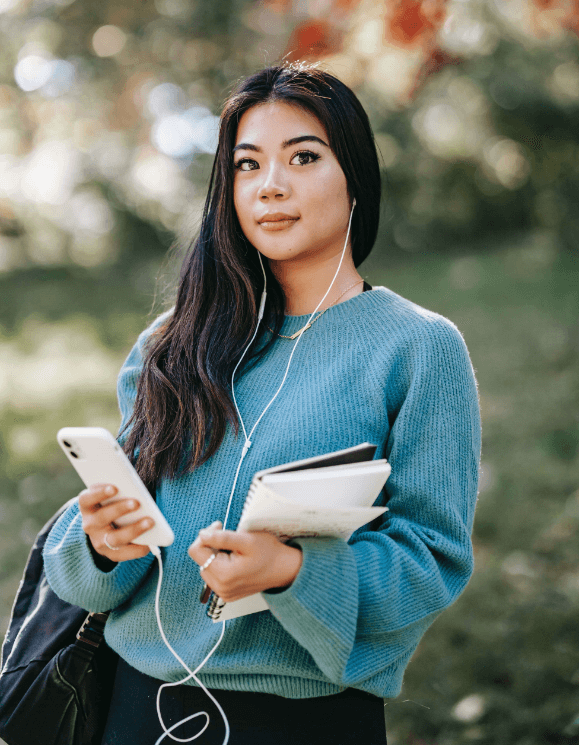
[
  {"x": 246, "y": 164},
  {"x": 305, "y": 157}
]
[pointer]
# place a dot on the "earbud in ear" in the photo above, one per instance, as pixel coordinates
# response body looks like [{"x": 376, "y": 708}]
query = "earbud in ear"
[{"x": 354, "y": 203}]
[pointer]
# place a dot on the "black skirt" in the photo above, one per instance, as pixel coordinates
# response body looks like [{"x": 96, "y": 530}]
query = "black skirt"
[{"x": 348, "y": 718}]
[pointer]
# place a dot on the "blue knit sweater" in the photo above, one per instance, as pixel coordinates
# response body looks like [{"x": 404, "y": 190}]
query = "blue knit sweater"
[{"x": 376, "y": 368}]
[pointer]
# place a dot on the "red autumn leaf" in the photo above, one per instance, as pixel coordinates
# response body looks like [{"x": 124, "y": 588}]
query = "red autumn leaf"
[
  {"x": 438, "y": 59},
  {"x": 411, "y": 22},
  {"x": 315, "y": 38},
  {"x": 433, "y": 63}
]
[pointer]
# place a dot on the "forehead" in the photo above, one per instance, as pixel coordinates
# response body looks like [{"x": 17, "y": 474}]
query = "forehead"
[{"x": 272, "y": 123}]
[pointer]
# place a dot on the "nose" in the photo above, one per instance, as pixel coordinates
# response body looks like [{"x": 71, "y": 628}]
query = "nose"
[{"x": 275, "y": 184}]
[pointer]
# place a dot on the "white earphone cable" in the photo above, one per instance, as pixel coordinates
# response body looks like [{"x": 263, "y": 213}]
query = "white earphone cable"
[
  {"x": 259, "y": 317},
  {"x": 192, "y": 673},
  {"x": 246, "y": 445}
]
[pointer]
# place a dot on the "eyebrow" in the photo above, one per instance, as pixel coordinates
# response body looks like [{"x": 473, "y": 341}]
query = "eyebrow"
[{"x": 284, "y": 144}]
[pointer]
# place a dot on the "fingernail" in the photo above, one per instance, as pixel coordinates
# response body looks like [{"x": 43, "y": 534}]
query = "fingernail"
[
  {"x": 110, "y": 490},
  {"x": 131, "y": 504},
  {"x": 147, "y": 522}
]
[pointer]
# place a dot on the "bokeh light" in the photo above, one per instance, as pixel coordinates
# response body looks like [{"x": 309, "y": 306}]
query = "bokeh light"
[
  {"x": 7, "y": 5},
  {"x": 108, "y": 41},
  {"x": 506, "y": 162},
  {"x": 50, "y": 172},
  {"x": 178, "y": 135},
  {"x": 33, "y": 71},
  {"x": 164, "y": 99}
]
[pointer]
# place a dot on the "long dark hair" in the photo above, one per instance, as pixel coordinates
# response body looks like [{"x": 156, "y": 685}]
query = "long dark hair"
[{"x": 183, "y": 403}]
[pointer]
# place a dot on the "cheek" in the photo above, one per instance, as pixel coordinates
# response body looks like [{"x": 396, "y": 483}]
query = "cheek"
[
  {"x": 330, "y": 189},
  {"x": 340, "y": 188},
  {"x": 242, "y": 205},
  {"x": 329, "y": 200}
]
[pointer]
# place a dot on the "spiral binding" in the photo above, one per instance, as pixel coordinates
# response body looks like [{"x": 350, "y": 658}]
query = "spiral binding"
[
  {"x": 214, "y": 607},
  {"x": 250, "y": 494}
]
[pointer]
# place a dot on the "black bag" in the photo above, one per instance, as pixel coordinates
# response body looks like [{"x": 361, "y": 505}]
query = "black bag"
[{"x": 57, "y": 671}]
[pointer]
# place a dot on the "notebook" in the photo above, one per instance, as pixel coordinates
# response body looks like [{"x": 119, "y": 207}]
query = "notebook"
[{"x": 329, "y": 495}]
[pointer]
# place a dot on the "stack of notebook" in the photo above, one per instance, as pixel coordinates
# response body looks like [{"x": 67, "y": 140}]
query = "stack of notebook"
[{"x": 330, "y": 495}]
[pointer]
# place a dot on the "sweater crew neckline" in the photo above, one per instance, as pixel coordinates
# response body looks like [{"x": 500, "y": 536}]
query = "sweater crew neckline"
[{"x": 337, "y": 314}]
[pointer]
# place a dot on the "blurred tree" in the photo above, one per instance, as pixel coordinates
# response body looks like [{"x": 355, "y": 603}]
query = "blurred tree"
[
  {"x": 109, "y": 108},
  {"x": 107, "y": 129}
]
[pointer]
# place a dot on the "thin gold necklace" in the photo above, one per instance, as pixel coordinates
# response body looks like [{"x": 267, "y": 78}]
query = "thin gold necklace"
[{"x": 311, "y": 323}]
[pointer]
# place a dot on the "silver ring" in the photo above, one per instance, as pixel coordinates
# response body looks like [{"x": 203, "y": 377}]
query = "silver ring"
[
  {"x": 108, "y": 545},
  {"x": 208, "y": 563}
]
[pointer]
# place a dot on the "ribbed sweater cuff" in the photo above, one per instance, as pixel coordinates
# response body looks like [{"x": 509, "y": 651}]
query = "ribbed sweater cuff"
[
  {"x": 320, "y": 608},
  {"x": 73, "y": 575}
]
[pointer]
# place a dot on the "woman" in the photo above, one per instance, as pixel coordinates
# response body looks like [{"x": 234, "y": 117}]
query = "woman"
[{"x": 296, "y": 184}]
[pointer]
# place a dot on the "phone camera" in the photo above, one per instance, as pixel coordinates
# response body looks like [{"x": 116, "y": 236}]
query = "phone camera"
[
  {"x": 74, "y": 455},
  {"x": 66, "y": 444}
]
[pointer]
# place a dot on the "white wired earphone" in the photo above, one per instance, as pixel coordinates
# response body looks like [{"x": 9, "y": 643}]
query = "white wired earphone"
[{"x": 246, "y": 445}]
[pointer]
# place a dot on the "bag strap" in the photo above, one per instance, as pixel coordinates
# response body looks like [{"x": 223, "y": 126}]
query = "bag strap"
[
  {"x": 31, "y": 579},
  {"x": 92, "y": 631}
]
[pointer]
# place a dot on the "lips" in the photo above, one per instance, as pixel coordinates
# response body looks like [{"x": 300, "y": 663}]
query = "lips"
[{"x": 277, "y": 221}]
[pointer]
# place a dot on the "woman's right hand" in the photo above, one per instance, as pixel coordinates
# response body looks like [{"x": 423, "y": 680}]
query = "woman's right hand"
[{"x": 98, "y": 522}]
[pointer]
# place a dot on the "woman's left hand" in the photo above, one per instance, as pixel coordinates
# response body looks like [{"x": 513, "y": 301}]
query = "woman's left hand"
[{"x": 258, "y": 561}]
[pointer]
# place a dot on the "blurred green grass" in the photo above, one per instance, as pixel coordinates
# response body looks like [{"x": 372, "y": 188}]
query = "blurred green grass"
[
  {"x": 502, "y": 664},
  {"x": 509, "y": 647}
]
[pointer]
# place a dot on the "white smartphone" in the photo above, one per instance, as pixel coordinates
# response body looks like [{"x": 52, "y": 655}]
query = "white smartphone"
[{"x": 98, "y": 459}]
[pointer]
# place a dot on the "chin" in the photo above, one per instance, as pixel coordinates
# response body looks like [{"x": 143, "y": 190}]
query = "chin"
[
  {"x": 278, "y": 254},
  {"x": 291, "y": 253},
  {"x": 287, "y": 250}
]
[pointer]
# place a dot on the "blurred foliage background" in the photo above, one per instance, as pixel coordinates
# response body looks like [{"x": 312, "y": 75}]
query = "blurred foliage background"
[{"x": 108, "y": 117}]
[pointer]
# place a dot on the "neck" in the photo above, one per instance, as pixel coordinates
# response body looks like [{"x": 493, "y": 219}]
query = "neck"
[{"x": 304, "y": 284}]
